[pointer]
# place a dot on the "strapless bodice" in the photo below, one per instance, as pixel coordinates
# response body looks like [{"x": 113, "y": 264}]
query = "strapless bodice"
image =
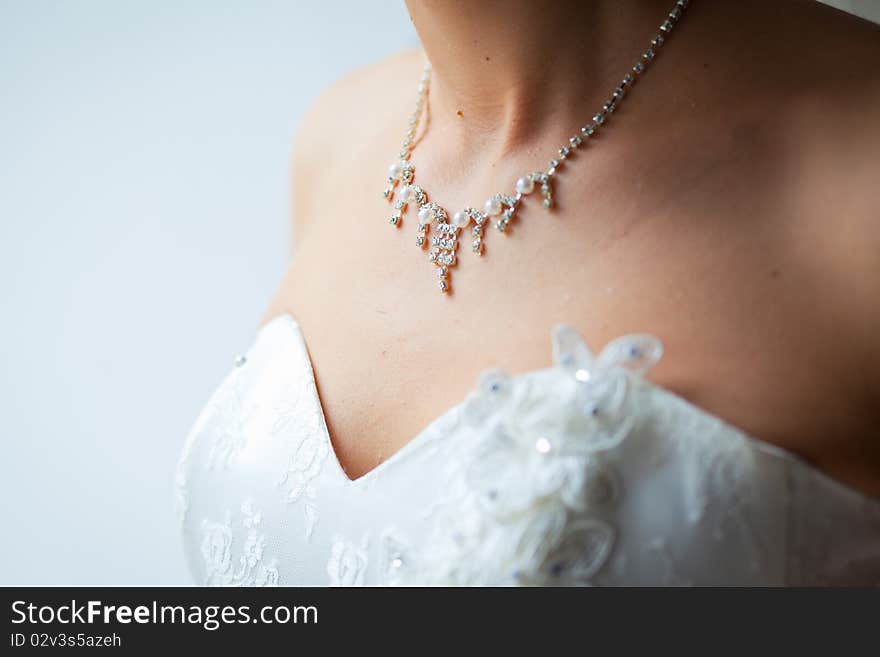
[{"x": 580, "y": 473}]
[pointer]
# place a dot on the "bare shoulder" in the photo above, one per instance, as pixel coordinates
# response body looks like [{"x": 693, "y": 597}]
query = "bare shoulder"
[
  {"x": 351, "y": 114},
  {"x": 829, "y": 122},
  {"x": 783, "y": 99},
  {"x": 357, "y": 117}
]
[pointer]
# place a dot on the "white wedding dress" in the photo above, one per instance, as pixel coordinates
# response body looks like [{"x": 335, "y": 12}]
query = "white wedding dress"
[{"x": 580, "y": 473}]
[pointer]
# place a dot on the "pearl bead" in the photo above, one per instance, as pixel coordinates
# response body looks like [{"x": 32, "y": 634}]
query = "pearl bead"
[
  {"x": 461, "y": 219},
  {"x": 492, "y": 207},
  {"x": 525, "y": 185},
  {"x": 396, "y": 169},
  {"x": 425, "y": 216},
  {"x": 406, "y": 194}
]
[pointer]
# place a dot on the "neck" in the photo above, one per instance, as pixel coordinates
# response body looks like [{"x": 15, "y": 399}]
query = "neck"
[{"x": 504, "y": 70}]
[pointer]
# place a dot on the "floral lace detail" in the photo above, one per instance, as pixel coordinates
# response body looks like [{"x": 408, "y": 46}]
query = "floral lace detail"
[
  {"x": 233, "y": 415},
  {"x": 395, "y": 555},
  {"x": 529, "y": 483},
  {"x": 347, "y": 562},
  {"x": 221, "y": 568},
  {"x": 302, "y": 424}
]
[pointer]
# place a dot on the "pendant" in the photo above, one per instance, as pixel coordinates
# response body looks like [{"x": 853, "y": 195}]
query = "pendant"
[{"x": 442, "y": 246}]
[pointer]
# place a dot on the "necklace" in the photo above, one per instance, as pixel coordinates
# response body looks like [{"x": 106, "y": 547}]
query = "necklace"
[{"x": 501, "y": 207}]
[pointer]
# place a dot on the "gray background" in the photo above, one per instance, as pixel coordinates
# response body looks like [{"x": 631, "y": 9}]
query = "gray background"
[{"x": 144, "y": 152}]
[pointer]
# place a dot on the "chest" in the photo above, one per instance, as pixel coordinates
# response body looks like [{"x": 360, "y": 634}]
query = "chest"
[{"x": 726, "y": 297}]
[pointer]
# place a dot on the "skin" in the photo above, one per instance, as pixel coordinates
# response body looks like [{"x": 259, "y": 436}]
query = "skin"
[{"x": 731, "y": 207}]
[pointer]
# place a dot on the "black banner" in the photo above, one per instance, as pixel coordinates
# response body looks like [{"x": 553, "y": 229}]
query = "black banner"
[{"x": 169, "y": 619}]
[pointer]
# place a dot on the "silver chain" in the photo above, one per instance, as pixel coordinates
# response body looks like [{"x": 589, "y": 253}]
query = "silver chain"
[{"x": 501, "y": 207}]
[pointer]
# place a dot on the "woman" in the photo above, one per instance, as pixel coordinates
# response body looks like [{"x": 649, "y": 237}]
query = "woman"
[{"x": 714, "y": 200}]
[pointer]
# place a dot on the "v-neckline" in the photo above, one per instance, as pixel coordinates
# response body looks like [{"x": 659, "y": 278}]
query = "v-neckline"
[
  {"x": 411, "y": 445},
  {"x": 433, "y": 425}
]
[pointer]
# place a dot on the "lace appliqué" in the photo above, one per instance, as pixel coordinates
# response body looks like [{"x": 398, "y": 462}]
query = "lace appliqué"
[
  {"x": 221, "y": 566},
  {"x": 233, "y": 415},
  {"x": 348, "y": 562},
  {"x": 529, "y": 482},
  {"x": 302, "y": 426}
]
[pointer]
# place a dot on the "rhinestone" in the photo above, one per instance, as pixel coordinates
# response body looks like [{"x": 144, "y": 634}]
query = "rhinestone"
[
  {"x": 442, "y": 272},
  {"x": 658, "y": 41},
  {"x": 477, "y": 245},
  {"x": 667, "y": 26},
  {"x": 547, "y": 203},
  {"x": 599, "y": 118},
  {"x": 628, "y": 79},
  {"x": 563, "y": 152},
  {"x": 420, "y": 241},
  {"x": 387, "y": 193},
  {"x": 501, "y": 225},
  {"x": 551, "y": 171},
  {"x": 476, "y": 231},
  {"x": 443, "y": 285},
  {"x": 675, "y": 14},
  {"x": 649, "y": 55},
  {"x": 575, "y": 141},
  {"x": 639, "y": 67},
  {"x": 395, "y": 218}
]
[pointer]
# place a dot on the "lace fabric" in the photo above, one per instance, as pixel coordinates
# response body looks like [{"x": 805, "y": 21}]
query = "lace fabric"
[{"x": 582, "y": 473}]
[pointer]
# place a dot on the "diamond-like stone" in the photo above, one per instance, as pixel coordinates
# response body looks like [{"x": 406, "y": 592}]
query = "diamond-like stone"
[
  {"x": 442, "y": 272},
  {"x": 443, "y": 285},
  {"x": 420, "y": 242},
  {"x": 395, "y": 218}
]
